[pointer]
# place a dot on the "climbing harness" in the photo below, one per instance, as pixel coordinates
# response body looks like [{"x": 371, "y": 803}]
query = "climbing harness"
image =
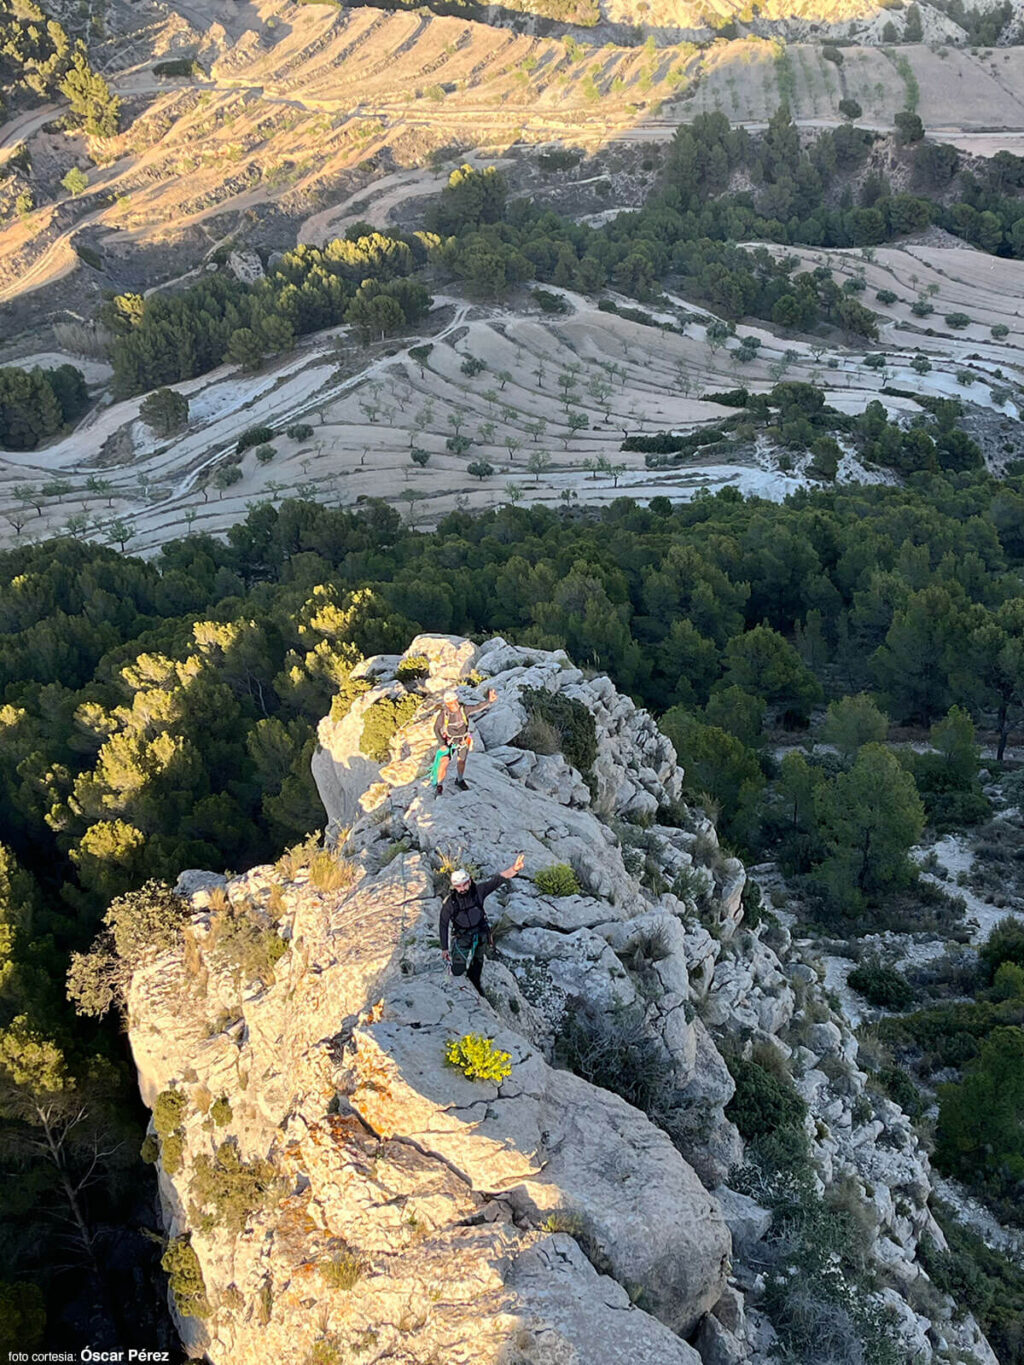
[
  {"x": 463, "y": 954},
  {"x": 450, "y": 750}
]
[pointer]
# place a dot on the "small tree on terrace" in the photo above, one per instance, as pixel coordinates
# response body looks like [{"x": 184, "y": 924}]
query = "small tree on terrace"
[
  {"x": 226, "y": 476},
  {"x": 119, "y": 533},
  {"x": 909, "y": 127},
  {"x": 421, "y": 354},
  {"x": 101, "y": 487},
  {"x": 716, "y": 333},
  {"x": 538, "y": 463},
  {"x": 138, "y": 924},
  {"x": 480, "y": 469},
  {"x": 165, "y": 411},
  {"x": 76, "y": 181},
  {"x": 576, "y": 421}
]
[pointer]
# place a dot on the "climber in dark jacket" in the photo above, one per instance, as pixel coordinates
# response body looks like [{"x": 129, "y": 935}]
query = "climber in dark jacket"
[{"x": 463, "y": 911}]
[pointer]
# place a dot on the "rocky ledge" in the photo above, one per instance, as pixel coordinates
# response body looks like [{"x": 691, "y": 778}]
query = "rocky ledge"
[{"x": 334, "y": 1190}]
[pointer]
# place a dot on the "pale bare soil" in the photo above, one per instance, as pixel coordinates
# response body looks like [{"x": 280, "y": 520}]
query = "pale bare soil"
[
  {"x": 624, "y": 377},
  {"x": 327, "y": 117},
  {"x": 954, "y": 278},
  {"x": 305, "y": 105}
]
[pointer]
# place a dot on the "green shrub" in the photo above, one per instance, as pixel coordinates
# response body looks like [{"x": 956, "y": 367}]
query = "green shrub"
[
  {"x": 948, "y": 811},
  {"x": 573, "y": 721},
  {"x": 186, "y": 1278},
  {"x": 752, "y": 901},
  {"x": 149, "y": 1152},
  {"x": 957, "y": 320},
  {"x": 548, "y": 302},
  {"x": 394, "y": 850},
  {"x": 764, "y": 1102},
  {"x": 326, "y": 1351},
  {"x": 412, "y": 668},
  {"x": 299, "y": 431},
  {"x": 949, "y": 1035},
  {"x": 979, "y": 1136},
  {"x": 138, "y": 924},
  {"x": 1005, "y": 943},
  {"x": 616, "y": 1052},
  {"x": 382, "y": 721},
  {"x": 169, "y": 1111},
  {"x": 1008, "y": 983},
  {"x": 88, "y": 254},
  {"x": 178, "y": 66},
  {"x": 241, "y": 944},
  {"x": 901, "y": 1089},
  {"x": 881, "y": 985},
  {"x": 221, "y": 1112},
  {"x": 226, "y": 1191},
  {"x": 265, "y": 453},
  {"x": 557, "y": 880},
  {"x": 172, "y": 1153},
  {"x": 253, "y": 436},
  {"x": 342, "y": 1271},
  {"x": 346, "y": 694},
  {"x": 981, "y": 1281},
  {"x": 76, "y": 181},
  {"x": 477, "y": 1058}
]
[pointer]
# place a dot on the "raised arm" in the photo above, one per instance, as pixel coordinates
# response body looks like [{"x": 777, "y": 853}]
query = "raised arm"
[
  {"x": 492, "y": 697},
  {"x": 514, "y": 870}
]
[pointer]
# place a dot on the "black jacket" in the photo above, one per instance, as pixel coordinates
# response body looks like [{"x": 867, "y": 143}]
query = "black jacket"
[{"x": 464, "y": 911}]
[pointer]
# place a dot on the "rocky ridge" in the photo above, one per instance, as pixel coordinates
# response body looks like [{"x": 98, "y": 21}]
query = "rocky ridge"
[{"x": 391, "y": 1208}]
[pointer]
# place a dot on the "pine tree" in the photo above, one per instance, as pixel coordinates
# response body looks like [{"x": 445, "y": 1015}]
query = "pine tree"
[{"x": 92, "y": 101}]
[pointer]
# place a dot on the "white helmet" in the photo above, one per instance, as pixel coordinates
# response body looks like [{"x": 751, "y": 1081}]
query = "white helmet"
[
  {"x": 460, "y": 877},
  {"x": 451, "y": 695}
]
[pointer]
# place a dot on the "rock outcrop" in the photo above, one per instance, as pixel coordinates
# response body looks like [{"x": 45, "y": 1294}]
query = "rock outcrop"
[
  {"x": 336, "y": 1190},
  {"x": 539, "y": 1218}
]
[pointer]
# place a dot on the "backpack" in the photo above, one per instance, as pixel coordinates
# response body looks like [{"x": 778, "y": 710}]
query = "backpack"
[{"x": 463, "y": 716}]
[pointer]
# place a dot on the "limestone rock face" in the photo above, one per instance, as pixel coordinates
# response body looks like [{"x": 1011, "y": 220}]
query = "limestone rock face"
[
  {"x": 346, "y": 1194},
  {"x": 345, "y": 1189}
]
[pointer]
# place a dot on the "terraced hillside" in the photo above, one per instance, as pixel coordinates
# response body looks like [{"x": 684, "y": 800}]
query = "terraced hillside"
[
  {"x": 292, "y": 108},
  {"x": 540, "y": 416}
]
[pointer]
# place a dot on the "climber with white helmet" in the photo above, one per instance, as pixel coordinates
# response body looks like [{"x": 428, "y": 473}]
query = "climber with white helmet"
[
  {"x": 463, "y": 912},
  {"x": 453, "y": 737}
]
